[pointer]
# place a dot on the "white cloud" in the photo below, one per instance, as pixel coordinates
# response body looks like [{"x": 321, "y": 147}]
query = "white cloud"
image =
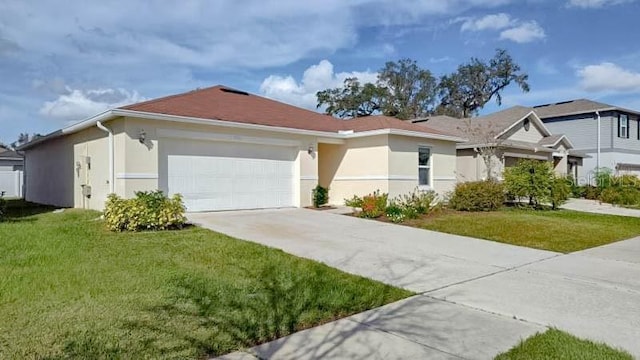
[
  {"x": 315, "y": 78},
  {"x": 526, "y": 32},
  {"x": 78, "y": 104},
  {"x": 608, "y": 76},
  {"x": 512, "y": 29},
  {"x": 487, "y": 22},
  {"x": 594, "y": 4}
]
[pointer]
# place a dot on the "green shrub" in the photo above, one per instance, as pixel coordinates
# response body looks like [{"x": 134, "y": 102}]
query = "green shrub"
[
  {"x": 603, "y": 177},
  {"x": 374, "y": 205},
  {"x": 3, "y": 208},
  {"x": 532, "y": 179},
  {"x": 591, "y": 192},
  {"x": 320, "y": 196},
  {"x": 149, "y": 210},
  {"x": 355, "y": 202},
  {"x": 395, "y": 213},
  {"x": 485, "y": 195},
  {"x": 420, "y": 201},
  {"x": 560, "y": 191},
  {"x": 624, "y": 195}
]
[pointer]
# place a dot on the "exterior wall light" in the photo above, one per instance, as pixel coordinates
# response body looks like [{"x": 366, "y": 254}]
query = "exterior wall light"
[
  {"x": 142, "y": 136},
  {"x": 310, "y": 150}
]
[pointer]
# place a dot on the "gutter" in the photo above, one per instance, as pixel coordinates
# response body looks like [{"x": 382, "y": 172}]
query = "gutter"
[
  {"x": 111, "y": 162},
  {"x": 342, "y": 134}
]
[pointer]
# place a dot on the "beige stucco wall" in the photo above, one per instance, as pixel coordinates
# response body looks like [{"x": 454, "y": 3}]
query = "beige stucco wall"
[
  {"x": 358, "y": 167},
  {"x": 49, "y": 173},
  {"x": 145, "y": 160},
  {"x": 388, "y": 163},
  {"x": 53, "y": 175},
  {"x": 403, "y": 164}
]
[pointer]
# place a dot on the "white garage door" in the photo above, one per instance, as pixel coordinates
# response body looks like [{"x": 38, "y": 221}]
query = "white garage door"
[{"x": 230, "y": 176}]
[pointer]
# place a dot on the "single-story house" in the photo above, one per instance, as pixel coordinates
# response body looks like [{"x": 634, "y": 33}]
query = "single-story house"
[
  {"x": 503, "y": 138},
  {"x": 11, "y": 173},
  {"x": 225, "y": 149}
]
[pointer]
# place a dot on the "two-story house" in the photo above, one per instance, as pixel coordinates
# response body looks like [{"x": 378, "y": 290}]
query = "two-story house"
[{"x": 615, "y": 144}]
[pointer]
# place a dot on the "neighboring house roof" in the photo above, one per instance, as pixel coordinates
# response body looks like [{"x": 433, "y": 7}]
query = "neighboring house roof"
[
  {"x": 6, "y": 154},
  {"x": 575, "y": 107},
  {"x": 220, "y": 105},
  {"x": 497, "y": 124}
]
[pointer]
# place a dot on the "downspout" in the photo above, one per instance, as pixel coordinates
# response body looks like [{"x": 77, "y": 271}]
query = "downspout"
[
  {"x": 598, "y": 148},
  {"x": 111, "y": 164}
]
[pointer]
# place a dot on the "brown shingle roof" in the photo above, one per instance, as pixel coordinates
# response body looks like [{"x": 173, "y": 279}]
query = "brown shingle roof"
[
  {"x": 226, "y": 104},
  {"x": 497, "y": 122},
  {"x": 376, "y": 122},
  {"x": 579, "y": 106}
]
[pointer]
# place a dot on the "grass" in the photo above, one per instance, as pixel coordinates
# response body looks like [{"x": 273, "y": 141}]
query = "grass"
[
  {"x": 562, "y": 231},
  {"x": 71, "y": 289},
  {"x": 557, "y": 345}
]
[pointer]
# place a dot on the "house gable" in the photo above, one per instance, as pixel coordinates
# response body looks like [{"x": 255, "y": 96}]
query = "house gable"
[{"x": 533, "y": 132}]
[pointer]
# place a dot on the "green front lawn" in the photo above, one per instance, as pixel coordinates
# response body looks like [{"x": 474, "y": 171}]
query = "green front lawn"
[
  {"x": 557, "y": 345},
  {"x": 562, "y": 231},
  {"x": 71, "y": 289}
]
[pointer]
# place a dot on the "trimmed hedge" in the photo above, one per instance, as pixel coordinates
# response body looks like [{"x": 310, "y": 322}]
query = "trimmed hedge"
[
  {"x": 485, "y": 195},
  {"x": 149, "y": 210}
]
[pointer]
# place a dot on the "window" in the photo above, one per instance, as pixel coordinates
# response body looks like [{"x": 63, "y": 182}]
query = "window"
[
  {"x": 623, "y": 126},
  {"x": 424, "y": 166}
]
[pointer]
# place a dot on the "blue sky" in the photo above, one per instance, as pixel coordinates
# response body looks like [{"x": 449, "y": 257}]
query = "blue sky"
[{"x": 61, "y": 62}]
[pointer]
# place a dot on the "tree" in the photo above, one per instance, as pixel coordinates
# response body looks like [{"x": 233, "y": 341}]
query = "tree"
[
  {"x": 403, "y": 90},
  {"x": 410, "y": 90},
  {"x": 531, "y": 179},
  {"x": 24, "y": 138},
  {"x": 474, "y": 84},
  {"x": 487, "y": 144},
  {"x": 352, "y": 99}
]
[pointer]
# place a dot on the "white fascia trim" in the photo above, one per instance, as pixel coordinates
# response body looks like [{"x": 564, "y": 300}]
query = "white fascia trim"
[
  {"x": 111, "y": 114},
  {"x": 445, "y": 178},
  {"x": 406, "y": 133},
  {"x": 309, "y": 178},
  {"x": 376, "y": 177},
  {"x": 535, "y": 118},
  {"x": 562, "y": 138},
  {"x": 136, "y": 176},
  {"x": 230, "y": 124},
  {"x": 193, "y": 135}
]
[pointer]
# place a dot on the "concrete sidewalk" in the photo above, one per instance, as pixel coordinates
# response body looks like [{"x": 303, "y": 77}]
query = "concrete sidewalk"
[
  {"x": 477, "y": 298},
  {"x": 596, "y": 207}
]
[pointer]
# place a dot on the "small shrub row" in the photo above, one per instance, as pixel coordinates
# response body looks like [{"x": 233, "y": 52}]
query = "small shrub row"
[
  {"x": 149, "y": 210},
  {"x": 399, "y": 209},
  {"x": 487, "y": 195}
]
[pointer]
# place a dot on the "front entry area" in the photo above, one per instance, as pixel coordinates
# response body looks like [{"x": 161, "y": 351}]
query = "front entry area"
[{"x": 218, "y": 175}]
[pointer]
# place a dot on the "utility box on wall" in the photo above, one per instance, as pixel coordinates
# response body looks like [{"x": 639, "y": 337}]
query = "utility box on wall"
[{"x": 86, "y": 191}]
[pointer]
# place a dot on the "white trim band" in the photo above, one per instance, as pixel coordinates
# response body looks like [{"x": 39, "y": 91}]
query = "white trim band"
[
  {"x": 376, "y": 177},
  {"x": 445, "y": 178},
  {"x": 136, "y": 176},
  {"x": 312, "y": 178}
]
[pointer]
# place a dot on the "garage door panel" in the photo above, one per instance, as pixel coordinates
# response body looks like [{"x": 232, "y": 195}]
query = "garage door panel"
[{"x": 256, "y": 176}]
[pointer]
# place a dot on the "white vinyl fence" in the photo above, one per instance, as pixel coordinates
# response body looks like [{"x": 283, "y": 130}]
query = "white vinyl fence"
[{"x": 11, "y": 183}]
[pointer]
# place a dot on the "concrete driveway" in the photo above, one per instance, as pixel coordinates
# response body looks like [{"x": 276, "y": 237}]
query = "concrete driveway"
[{"x": 477, "y": 298}]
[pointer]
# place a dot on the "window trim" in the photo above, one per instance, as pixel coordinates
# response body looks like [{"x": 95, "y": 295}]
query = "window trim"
[
  {"x": 429, "y": 166},
  {"x": 625, "y": 127}
]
